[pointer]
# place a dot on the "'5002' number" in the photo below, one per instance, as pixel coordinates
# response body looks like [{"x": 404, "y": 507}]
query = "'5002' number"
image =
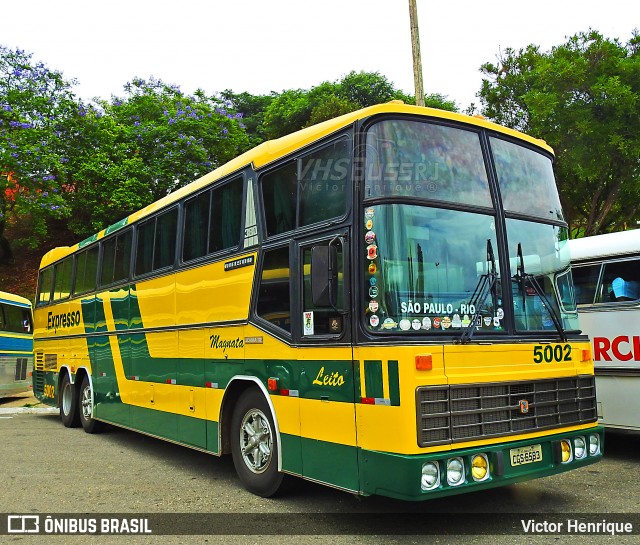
[{"x": 549, "y": 353}]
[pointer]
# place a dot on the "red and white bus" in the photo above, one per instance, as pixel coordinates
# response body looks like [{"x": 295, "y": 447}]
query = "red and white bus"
[{"x": 606, "y": 274}]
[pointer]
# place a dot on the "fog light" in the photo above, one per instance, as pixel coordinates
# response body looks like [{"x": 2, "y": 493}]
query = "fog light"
[
  {"x": 430, "y": 476},
  {"x": 480, "y": 467},
  {"x": 567, "y": 455},
  {"x": 594, "y": 445},
  {"x": 579, "y": 448},
  {"x": 455, "y": 471}
]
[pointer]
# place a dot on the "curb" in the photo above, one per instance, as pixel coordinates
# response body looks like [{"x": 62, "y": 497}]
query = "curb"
[{"x": 28, "y": 410}]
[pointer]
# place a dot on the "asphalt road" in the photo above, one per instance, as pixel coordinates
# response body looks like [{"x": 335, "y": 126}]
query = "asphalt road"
[{"x": 49, "y": 469}]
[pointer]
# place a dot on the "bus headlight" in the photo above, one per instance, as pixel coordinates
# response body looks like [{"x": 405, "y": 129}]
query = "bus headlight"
[
  {"x": 565, "y": 447},
  {"x": 455, "y": 471},
  {"x": 480, "y": 467},
  {"x": 579, "y": 448},
  {"x": 430, "y": 476},
  {"x": 594, "y": 445}
]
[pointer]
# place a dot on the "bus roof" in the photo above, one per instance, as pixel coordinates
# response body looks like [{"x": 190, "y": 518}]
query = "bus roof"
[
  {"x": 6, "y": 297},
  {"x": 607, "y": 245},
  {"x": 272, "y": 150}
]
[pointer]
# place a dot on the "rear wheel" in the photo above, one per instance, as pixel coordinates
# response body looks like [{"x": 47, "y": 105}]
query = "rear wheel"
[
  {"x": 69, "y": 403},
  {"x": 89, "y": 424},
  {"x": 254, "y": 445}
]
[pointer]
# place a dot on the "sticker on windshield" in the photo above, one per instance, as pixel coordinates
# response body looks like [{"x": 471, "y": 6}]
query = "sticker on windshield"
[
  {"x": 307, "y": 320},
  {"x": 372, "y": 251},
  {"x": 389, "y": 323},
  {"x": 374, "y": 320}
]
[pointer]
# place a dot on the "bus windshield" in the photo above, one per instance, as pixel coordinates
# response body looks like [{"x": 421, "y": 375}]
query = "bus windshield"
[{"x": 425, "y": 263}]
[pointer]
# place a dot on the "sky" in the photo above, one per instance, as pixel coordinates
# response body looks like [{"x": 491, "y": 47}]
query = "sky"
[{"x": 261, "y": 46}]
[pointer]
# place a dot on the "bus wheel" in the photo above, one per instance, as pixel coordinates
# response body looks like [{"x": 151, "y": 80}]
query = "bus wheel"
[
  {"x": 69, "y": 403},
  {"x": 254, "y": 447},
  {"x": 89, "y": 424}
]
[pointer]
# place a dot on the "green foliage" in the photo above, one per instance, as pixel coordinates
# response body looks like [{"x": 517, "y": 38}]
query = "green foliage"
[
  {"x": 583, "y": 98},
  {"x": 89, "y": 165},
  {"x": 35, "y": 104},
  {"x": 295, "y": 109},
  {"x": 252, "y": 108},
  {"x": 138, "y": 148}
]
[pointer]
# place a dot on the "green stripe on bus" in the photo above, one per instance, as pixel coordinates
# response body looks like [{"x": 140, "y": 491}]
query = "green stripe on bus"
[
  {"x": 394, "y": 383},
  {"x": 373, "y": 378},
  {"x": 116, "y": 226},
  {"x": 88, "y": 241},
  {"x": 330, "y": 463}
]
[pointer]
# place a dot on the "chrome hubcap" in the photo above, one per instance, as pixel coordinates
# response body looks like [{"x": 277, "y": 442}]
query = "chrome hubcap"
[
  {"x": 85, "y": 403},
  {"x": 256, "y": 441}
]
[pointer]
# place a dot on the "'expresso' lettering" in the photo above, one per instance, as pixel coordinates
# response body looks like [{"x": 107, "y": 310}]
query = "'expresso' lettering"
[{"x": 66, "y": 319}]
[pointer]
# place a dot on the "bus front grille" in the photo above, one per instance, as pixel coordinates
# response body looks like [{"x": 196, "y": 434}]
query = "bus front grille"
[{"x": 449, "y": 414}]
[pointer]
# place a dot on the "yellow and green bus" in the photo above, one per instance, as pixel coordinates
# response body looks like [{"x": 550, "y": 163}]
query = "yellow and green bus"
[
  {"x": 16, "y": 344},
  {"x": 381, "y": 303}
]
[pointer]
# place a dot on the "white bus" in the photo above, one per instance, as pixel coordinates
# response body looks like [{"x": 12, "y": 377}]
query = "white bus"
[{"x": 606, "y": 274}]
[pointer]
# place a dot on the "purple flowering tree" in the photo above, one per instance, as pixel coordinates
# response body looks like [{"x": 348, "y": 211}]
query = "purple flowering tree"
[
  {"x": 35, "y": 103},
  {"x": 133, "y": 150}
]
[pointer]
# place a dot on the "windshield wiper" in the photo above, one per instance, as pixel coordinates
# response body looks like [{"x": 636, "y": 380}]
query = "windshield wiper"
[
  {"x": 522, "y": 277},
  {"x": 486, "y": 284}
]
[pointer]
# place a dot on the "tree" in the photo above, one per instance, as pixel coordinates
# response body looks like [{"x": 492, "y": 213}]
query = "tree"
[
  {"x": 35, "y": 105},
  {"x": 295, "y": 109},
  {"x": 583, "y": 98},
  {"x": 135, "y": 149},
  {"x": 252, "y": 108}
]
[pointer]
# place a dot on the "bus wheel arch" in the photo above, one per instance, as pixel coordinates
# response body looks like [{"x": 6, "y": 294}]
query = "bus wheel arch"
[
  {"x": 68, "y": 400},
  {"x": 249, "y": 429}
]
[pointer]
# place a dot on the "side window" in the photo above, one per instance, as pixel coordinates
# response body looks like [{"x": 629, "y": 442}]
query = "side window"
[
  {"x": 321, "y": 321},
  {"x": 156, "y": 246},
  {"x": 164, "y": 249},
  {"x": 323, "y": 183},
  {"x": 621, "y": 281},
  {"x": 86, "y": 270},
  {"x": 116, "y": 258},
  {"x": 274, "y": 303},
  {"x": 45, "y": 280},
  {"x": 585, "y": 281},
  {"x": 63, "y": 275},
  {"x": 213, "y": 220},
  {"x": 311, "y": 189},
  {"x": 279, "y": 194},
  {"x": 16, "y": 319},
  {"x": 144, "y": 250},
  {"x": 196, "y": 226},
  {"x": 226, "y": 216}
]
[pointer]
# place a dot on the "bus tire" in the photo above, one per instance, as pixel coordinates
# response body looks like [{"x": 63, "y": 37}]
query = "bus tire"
[
  {"x": 89, "y": 424},
  {"x": 254, "y": 445},
  {"x": 69, "y": 413}
]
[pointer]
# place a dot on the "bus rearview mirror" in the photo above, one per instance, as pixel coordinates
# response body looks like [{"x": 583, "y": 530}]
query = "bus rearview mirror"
[{"x": 324, "y": 276}]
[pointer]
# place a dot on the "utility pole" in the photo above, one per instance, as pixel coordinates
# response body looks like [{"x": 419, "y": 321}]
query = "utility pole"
[{"x": 415, "y": 47}]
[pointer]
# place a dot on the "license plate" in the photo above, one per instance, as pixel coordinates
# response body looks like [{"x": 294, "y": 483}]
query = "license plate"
[{"x": 525, "y": 455}]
